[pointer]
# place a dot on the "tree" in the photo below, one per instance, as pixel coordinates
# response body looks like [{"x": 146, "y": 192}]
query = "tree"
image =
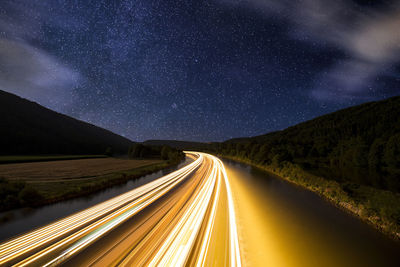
[
  {"x": 135, "y": 150},
  {"x": 165, "y": 150},
  {"x": 360, "y": 152},
  {"x": 254, "y": 150},
  {"x": 392, "y": 152},
  {"x": 375, "y": 154},
  {"x": 109, "y": 151},
  {"x": 145, "y": 152},
  {"x": 262, "y": 154}
]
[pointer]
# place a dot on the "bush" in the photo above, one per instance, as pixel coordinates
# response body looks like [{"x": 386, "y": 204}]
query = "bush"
[
  {"x": 29, "y": 196},
  {"x": 165, "y": 152},
  {"x": 109, "y": 151}
]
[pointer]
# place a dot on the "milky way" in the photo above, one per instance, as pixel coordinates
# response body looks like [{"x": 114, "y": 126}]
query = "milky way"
[{"x": 199, "y": 70}]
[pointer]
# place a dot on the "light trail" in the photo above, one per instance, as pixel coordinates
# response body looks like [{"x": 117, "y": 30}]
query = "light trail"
[
  {"x": 234, "y": 246},
  {"x": 56, "y": 229},
  {"x": 168, "y": 222},
  {"x": 30, "y": 241},
  {"x": 207, "y": 237},
  {"x": 176, "y": 248}
]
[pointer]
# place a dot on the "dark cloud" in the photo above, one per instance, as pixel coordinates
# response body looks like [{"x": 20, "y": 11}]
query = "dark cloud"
[{"x": 368, "y": 37}]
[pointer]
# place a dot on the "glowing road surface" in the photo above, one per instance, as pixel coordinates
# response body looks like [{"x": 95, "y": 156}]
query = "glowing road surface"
[{"x": 184, "y": 218}]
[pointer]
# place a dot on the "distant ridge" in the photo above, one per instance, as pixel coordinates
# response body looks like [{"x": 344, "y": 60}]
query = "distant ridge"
[
  {"x": 29, "y": 128},
  {"x": 177, "y": 144}
]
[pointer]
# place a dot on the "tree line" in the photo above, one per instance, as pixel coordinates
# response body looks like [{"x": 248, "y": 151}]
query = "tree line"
[
  {"x": 359, "y": 144},
  {"x": 140, "y": 151}
]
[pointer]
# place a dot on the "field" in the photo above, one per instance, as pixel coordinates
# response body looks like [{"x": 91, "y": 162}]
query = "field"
[
  {"x": 55, "y": 171},
  {"x": 38, "y": 183}
]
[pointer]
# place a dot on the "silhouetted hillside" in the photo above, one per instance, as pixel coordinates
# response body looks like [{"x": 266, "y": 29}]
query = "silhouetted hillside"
[
  {"x": 360, "y": 144},
  {"x": 28, "y": 128},
  {"x": 351, "y": 157}
]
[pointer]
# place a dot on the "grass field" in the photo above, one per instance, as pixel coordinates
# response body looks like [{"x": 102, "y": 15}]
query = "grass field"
[
  {"x": 36, "y": 158},
  {"x": 55, "y": 171},
  {"x": 37, "y": 183}
]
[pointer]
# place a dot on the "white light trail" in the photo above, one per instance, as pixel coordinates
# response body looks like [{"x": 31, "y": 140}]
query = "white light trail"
[{"x": 194, "y": 223}]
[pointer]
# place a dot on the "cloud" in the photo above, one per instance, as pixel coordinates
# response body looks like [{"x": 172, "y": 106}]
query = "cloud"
[
  {"x": 368, "y": 37},
  {"x": 373, "y": 48},
  {"x": 26, "y": 69},
  {"x": 32, "y": 73}
]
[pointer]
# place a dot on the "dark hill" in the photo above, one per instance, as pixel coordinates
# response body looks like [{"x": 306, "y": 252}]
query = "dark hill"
[
  {"x": 29, "y": 128},
  {"x": 359, "y": 144}
]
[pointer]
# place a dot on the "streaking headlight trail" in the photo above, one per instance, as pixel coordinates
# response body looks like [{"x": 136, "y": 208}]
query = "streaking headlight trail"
[{"x": 186, "y": 218}]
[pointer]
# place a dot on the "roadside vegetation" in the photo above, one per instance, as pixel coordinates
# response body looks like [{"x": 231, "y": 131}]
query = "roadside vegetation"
[
  {"x": 381, "y": 208},
  {"x": 351, "y": 157},
  {"x": 28, "y": 185}
]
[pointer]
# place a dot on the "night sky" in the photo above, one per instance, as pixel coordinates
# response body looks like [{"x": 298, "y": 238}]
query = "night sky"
[{"x": 199, "y": 70}]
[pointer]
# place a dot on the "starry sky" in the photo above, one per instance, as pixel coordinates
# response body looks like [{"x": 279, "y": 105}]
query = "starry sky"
[{"x": 199, "y": 70}]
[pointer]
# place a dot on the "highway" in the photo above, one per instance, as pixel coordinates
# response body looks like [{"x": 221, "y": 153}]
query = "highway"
[{"x": 186, "y": 218}]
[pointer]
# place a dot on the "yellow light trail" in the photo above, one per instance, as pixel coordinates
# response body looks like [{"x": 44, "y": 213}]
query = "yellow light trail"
[
  {"x": 51, "y": 231},
  {"x": 176, "y": 228}
]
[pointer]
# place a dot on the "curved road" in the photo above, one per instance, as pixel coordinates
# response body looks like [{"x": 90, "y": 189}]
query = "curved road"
[{"x": 184, "y": 218}]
